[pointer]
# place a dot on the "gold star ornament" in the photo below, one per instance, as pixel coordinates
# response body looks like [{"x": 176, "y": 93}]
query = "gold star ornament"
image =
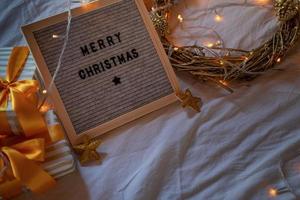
[
  {"x": 188, "y": 100},
  {"x": 87, "y": 151},
  {"x": 160, "y": 23}
]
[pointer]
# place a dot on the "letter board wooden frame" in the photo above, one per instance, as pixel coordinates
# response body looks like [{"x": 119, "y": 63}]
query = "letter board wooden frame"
[{"x": 114, "y": 69}]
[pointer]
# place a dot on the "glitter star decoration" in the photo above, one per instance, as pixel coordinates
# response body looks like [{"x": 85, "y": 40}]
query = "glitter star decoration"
[
  {"x": 188, "y": 100},
  {"x": 160, "y": 23},
  {"x": 87, "y": 151}
]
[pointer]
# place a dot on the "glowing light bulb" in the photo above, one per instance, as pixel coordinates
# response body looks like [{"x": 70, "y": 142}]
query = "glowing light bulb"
[
  {"x": 44, "y": 91},
  {"x": 261, "y": 2},
  {"x": 210, "y": 45},
  {"x": 218, "y": 42},
  {"x": 223, "y": 82},
  {"x": 221, "y": 62},
  {"x": 44, "y": 108},
  {"x": 278, "y": 60},
  {"x": 180, "y": 18},
  {"x": 218, "y": 18},
  {"x": 176, "y": 48},
  {"x": 55, "y": 36},
  {"x": 272, "y": 192}
]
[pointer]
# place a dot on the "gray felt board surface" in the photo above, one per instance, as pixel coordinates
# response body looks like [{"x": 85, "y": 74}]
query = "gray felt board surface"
[{"x": 110, "y": 66}]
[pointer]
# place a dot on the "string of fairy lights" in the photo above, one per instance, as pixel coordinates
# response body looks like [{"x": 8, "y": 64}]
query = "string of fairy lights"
[
  {"x": 212, "y": 61},
  {"x": 186, "y": 58},
  {"x": 223, "y": 64}
]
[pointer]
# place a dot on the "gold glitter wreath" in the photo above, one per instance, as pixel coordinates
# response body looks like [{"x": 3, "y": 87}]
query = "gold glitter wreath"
[{"x": 234, "y": 64}]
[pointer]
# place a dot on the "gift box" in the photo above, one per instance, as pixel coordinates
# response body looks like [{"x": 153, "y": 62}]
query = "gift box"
[
  {"x": 43, "y": 147},
  {"x": 18, "y": 94},
  {"x": 59, "y": 160}
]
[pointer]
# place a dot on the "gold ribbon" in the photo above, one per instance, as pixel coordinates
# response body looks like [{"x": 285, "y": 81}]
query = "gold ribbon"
[
  {"x": 24, "y": 169},
  {"x": 22, "y": 95}
]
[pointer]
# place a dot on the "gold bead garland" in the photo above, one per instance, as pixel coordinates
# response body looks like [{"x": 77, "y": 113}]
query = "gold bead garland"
[
  {"x": 233, "y": 64},
  {"x": 286, "y": 9},
  {"x": 160, "y": 23}
]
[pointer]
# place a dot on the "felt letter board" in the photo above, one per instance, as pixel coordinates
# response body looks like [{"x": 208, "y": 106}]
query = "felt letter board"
[{"x": 114, "y": 69}]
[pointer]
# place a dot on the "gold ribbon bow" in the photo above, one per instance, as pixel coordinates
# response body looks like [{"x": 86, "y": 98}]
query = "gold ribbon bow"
[
  {"x": 23, "y": 169},
  {"x": 21, "y": 94}
]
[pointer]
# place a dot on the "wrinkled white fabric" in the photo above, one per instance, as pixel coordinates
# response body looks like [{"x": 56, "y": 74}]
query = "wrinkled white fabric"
[{"x": 231, "y": 150}]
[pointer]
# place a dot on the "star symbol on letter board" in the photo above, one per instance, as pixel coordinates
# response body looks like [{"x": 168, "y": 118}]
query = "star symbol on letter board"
[{"x": 116, "y": 80}]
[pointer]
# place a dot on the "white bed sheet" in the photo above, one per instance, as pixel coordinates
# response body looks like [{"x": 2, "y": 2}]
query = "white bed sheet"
[{"x": 231, "y": 150}]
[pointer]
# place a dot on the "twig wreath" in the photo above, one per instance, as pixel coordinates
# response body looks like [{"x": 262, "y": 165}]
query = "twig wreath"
[{"x": 232, "y": 64}]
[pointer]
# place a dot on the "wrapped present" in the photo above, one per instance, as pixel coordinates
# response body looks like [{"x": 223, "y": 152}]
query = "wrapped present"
[
  {"x": 18, "y": 94},
  {"x": 59, "y": 160},
  {"x": 28, "y": 137},
  {"x": 44, "y": 163}
]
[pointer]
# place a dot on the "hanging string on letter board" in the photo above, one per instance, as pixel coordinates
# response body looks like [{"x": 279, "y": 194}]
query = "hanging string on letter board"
[{"x": 66, "y": 39}]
